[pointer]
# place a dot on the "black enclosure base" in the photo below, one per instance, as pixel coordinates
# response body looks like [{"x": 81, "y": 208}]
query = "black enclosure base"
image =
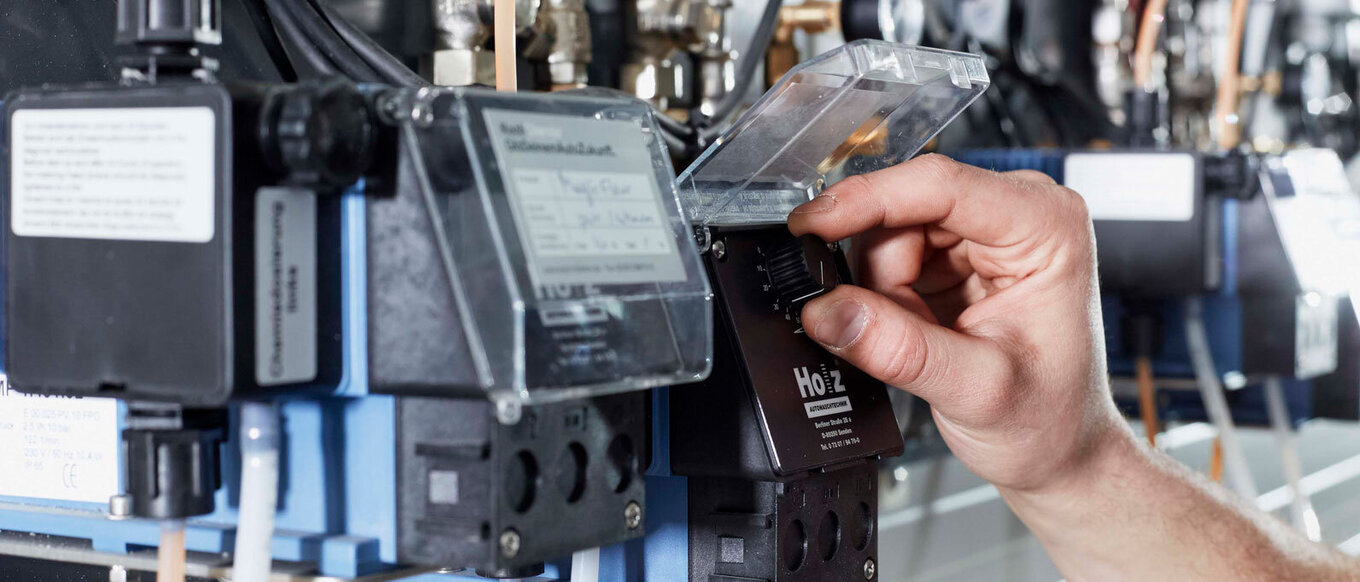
[{"x": 566, "y": 477}]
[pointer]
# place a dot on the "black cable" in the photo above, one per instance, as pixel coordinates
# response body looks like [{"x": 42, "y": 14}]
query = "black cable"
[
  {"x": 386, "y": 65},
  {"x": 315, "y": 28},
  {"x": 301, "y": 46},
  {"x": 269, "y": 37},
  {"x": 670, "y": 125},
  {"x": 746, "y": 69}
]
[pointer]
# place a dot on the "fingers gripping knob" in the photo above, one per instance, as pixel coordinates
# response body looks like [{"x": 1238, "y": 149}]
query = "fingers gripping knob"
[{"x": 802, "y": 269}]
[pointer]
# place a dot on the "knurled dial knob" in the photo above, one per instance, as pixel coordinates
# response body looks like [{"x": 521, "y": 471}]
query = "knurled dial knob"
[{"x": 801, "y": 269}]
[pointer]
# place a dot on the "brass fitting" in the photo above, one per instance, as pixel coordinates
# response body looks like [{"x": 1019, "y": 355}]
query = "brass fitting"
[{"x": 812, "y": 17}]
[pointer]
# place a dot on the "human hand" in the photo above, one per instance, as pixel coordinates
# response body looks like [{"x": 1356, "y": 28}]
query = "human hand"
[{"x": 979, "y": 295}]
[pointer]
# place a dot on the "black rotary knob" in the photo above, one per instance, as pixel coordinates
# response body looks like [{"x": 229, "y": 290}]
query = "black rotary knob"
[
  {"x": 319, "y": 134},
  {"x": 801, "y": 269}
]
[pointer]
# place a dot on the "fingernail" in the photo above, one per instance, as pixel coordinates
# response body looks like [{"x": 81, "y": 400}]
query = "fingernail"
[
  {"x": 822, "y": 203},
  {"x": 841, "y": 324}
]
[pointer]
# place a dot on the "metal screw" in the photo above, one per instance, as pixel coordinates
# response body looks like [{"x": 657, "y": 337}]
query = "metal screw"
[
  {"x": 870, "y": 569},
  {"x": 510, "y": 543},
  {"x": 120, "y": 506},
  {"x": 719, "y": 249},
  {"x": 632, "y": 515}
]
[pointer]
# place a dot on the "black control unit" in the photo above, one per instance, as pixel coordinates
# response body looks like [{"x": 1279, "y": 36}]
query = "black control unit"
[
  {"x": 792, "y": 406},
  {"x": 163, "y": 244},
  {"x": 780, "y": 442}
]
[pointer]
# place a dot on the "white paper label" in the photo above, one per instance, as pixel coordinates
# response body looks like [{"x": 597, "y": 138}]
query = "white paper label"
[
  {"x": 1135, "y": 186},
  {"x": 571, "y": 214},
  {"x": 1315, "y": 335},
  {"x": 827, "y": 407},
  {"x": 124, "y": 174},
  {"x": 61, "y": 448},
  {"x": 285, "y": 286},
  {"x": 585, "y": 198}
]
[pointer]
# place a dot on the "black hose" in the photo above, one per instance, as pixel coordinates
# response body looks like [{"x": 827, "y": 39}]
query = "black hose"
[
  {"x": 269, "y": 37},
  {"x": 323, "y": 36},
  {"x": 746, "y": 69},
  {"x": 300, "y": 45},
  {"x": 387, "y": 66},
  {"x": 670, "y": 125}
]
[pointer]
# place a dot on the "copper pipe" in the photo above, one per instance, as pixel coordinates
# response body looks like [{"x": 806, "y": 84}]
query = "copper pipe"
[
  {"x": 1147, "y": 400},
  {"x": 1216, "y": 461},
  {"x": 1148, "y": 31}
]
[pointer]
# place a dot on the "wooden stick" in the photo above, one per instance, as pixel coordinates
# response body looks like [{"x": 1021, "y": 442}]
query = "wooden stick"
[
  {"x": 170, "y": 557},
  {"x": 1225, "y": 111},
  {"x": 506, "y": 75}
]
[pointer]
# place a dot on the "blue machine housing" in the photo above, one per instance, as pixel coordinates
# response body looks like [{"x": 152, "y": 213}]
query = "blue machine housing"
[{"x": 337, "y": 498}]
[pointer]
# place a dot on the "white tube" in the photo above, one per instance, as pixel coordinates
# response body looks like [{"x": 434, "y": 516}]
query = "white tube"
[
  {"x": 259, "y": 491},
  {"x": 1301, "y": 510},
  {"x": 1215, "y": 404},
  {"x": 585, "y": 566}
]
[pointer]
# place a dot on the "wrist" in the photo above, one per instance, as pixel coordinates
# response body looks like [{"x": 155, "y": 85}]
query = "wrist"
[{"x": 1110, "y": 453}]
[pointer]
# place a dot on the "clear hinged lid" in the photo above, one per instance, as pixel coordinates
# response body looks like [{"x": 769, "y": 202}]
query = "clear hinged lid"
[
  {"x": 574, "y": 270},
  {"x": 1317, "y": 216},
  {"x": 861, "y": 107}
]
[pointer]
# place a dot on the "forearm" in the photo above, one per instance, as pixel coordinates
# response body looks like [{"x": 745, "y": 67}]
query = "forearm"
[{"x": 1134, "y": 514}]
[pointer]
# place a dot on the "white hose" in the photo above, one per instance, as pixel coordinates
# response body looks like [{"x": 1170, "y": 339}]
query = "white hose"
[
  {"x": 1215, "y": 404},
  {"x": 585, "y": 566},
  {"x": 259, "y": 491},
  {"x": 1301, "y": 510}
]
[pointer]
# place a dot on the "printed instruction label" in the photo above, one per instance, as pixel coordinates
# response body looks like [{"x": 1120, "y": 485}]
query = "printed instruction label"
[
  {"x": 285, "y": 286},
  {"x": 57, "y": 447},
  {"x": 138, "y": 173},
  {"x": 585, "y": 197},
  {"x": 1159, "y": 187}
]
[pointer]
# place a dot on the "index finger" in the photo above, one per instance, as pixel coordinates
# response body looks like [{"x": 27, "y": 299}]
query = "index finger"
[{"x": 981, "y": 206}]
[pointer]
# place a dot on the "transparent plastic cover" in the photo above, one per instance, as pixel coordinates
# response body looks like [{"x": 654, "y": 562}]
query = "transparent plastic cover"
[
  {"x": 574, "y": 270},
  {"x": 1317, "y": 216},
  {"x": 859, "y": 108}
]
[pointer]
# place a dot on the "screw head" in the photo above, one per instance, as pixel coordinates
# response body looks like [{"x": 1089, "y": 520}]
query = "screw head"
[
  {"x": 510, "y": 543},
  {"x": 719, "y": 249},
  {"x": 120, "y": 506},
  {"x": 632, "y": 515},
  {"x": 870, "y": 569}
]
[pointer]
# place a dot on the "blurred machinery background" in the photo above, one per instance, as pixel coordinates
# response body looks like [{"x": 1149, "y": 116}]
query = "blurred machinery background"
[{"x": 372, "y": 349}]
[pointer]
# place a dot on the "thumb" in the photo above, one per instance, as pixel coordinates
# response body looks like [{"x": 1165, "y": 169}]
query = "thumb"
[{"x": 949, "y": 369}]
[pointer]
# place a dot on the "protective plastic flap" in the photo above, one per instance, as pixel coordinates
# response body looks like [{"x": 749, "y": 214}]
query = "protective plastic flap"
[
  {"x": 1317, "y": 215},
  {"x": 571, "y": 263},
  {"x": 861, "y": 107}
]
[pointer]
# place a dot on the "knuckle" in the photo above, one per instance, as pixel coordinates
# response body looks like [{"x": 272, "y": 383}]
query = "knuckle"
[
  {"x": 1034, "y": 176},
  {"x": 940, "y": 167},
  {"x": 857, "y": 186},
  {"x": 1076, "y": 204}
]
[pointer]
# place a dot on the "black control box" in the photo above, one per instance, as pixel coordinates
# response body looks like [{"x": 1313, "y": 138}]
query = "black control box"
[
  {"x": 177, "y": 241},
  {"x": 504, "y": 499},
  {"x": 777, "y": 405},
  {"x": 781, "y": 443}
]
